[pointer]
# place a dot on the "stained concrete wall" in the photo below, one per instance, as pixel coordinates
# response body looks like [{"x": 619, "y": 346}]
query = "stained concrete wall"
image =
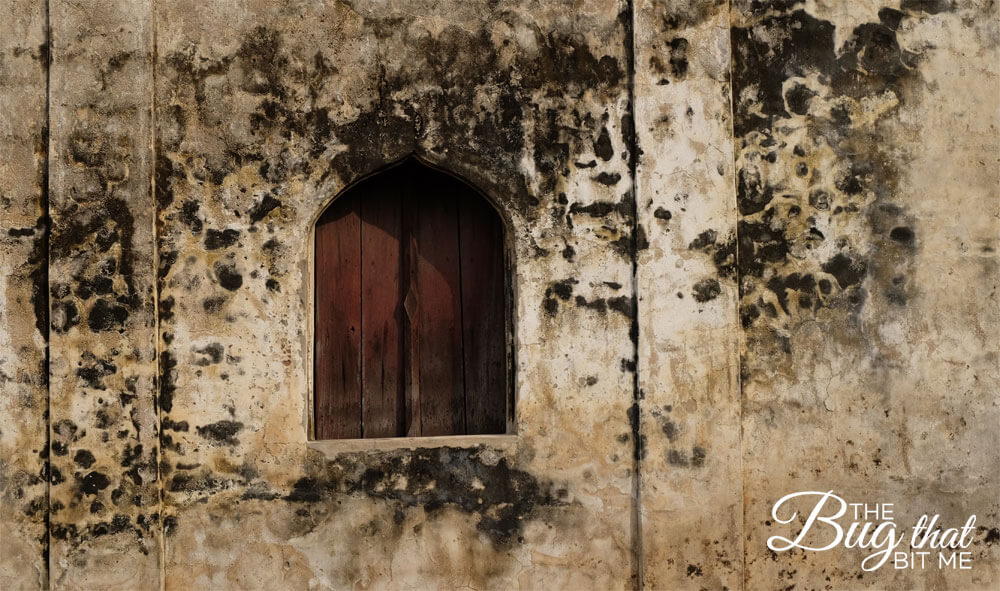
[
  {"x": 23, "y": 285},
  {"x": 754, "y": 252}
]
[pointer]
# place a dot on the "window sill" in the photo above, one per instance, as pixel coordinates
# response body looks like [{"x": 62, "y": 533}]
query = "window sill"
[{"x": 332, "y": 447}]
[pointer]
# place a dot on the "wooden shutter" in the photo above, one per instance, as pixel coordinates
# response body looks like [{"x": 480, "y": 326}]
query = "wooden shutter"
[
  {"x": 411, "y": 313},
  {"x": 439, "y": 332},
  {"x": 382, "y": 291},
  {"x": 483, "y": 317},
  {"x": 338, "y": 321}
]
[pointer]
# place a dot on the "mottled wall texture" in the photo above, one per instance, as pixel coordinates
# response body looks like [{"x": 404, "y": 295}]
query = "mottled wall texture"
[{"x": 753, "y": 252}]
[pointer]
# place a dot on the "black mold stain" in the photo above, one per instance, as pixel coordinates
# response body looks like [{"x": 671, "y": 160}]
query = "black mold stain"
[
  {"x": 752, "y": 194},
  {"x": 562, "y": 290},
  {"x": 221, "y": 431},
  {"x": 903, "y": 235},
  {"x": 228, "y": 276},
  {"x": 213, "y": 354},
  {"x": 704, "y": 240},
  {"x": 212, "y": 305},
  {"x": 214, "y": 239},
  {"x": 93, "y": 482},
  {"x": 608, "y": 179},
  {"x": 261, "y": 210},
  {"x": 189, "y": 215},
  {"x": 638, "y": 438},
  {"x": 676, "y": 458},
  {"x": 564, "y": 65},
  {"x": 846, "y": 270},
  {"x": 706, "y": 290},
  {"x": 503, "y": 498},
  {"x": 106, "y": 315},
  {"x": 697, "y": 456},
  {"x": 662, "y": 214},
  {"x": 93, "y": 375},
  {"x": 168, "y": 375},
  {"x": 678, "y": 57},
  {"x": 599, "y": 304},
  {"x": 775, "y": 57},
  {"x": 600, "y": 209},
  {"x": 679, "y": 458},
  {"x": 928, "y": 6},
  {"x": 602, "y": 145},
  {"x": 38, "y": 260},
  {"x": 798, "y": 97}
]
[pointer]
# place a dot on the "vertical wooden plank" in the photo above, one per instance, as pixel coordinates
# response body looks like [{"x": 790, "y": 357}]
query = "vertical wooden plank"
[
  {"x": 381, "y": 313},
  {"x": 483, "y": 316},
  {"x": 439, "y": 328},
  {"x": 338, "y": 321},
  {"x": 411, "y": 326},
  {"x": 411, "y": 338}
]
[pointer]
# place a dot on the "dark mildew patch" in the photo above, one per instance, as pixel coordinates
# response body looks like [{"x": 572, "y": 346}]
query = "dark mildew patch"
[
  {"x": 93, "y": 482},
  {"x": 228, "y": 276},
  {"x": 477, "y": 481},
  {"x": 221, "y": 432},
  {"x": 264, "y": 207},
  {"x": 94, "y": 373},
  {"x": 84, "y": 458},
  {"x": 215, "y": 239},
  {"x": 602, "y": 145},
  {"x": 706, "y": 290},
  {"x": 106, "y": 315},
  {"x": 210, "y": 354},
  {"x": 833, "y": 239},
  {"x": 562, "y": 290}
]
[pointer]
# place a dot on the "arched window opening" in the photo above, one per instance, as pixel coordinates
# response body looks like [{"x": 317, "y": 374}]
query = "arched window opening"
[{"x": 411, "y": 310}]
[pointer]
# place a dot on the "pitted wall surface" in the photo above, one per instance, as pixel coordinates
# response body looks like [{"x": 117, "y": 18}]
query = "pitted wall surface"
[{"x": 753, "y": 251}]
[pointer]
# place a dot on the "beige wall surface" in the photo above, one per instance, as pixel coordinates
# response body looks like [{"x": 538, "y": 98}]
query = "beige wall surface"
[{"x": 753, "y": 252}]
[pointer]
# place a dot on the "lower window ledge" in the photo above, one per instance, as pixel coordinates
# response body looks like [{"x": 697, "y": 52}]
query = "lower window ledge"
[{"x": 331, "y": 447}]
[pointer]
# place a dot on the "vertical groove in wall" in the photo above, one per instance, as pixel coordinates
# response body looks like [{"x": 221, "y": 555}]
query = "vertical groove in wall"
[
  {"x": 46, "y": 229},
  {"x": 739, "y": 326},
  {"x": 628, "y": 20},
  {"x": 161, "y": 537}
]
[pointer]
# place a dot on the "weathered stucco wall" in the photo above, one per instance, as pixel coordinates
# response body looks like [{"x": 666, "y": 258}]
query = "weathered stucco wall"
[
  {"x": 23, "y": 309},
  {"x": 688, "y": 334},
  {"x": 867, "y": 178},
  {"x": 259, "y": 125},
  {"x": 104, "y": 495},
  {"x": 753, "y": 247}
]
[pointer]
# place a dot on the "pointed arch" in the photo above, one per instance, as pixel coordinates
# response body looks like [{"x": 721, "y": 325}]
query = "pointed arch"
[{"x": 411, "y": 317}]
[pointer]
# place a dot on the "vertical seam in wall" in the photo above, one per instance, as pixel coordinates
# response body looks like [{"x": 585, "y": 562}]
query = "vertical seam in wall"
[
  {"x": 47, "y": 229},
  {"x": 161, "y": 534},
  {"x": 739, "y": 326},
  {"x": 635, "y": 516}
]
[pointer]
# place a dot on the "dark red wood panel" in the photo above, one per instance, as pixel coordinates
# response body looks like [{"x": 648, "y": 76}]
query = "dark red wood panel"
[
  {"x": 483, "y": 316},
  {"x": 382, "y": 361},
  {"x": 338, "y": 321},
  {"x": 439, "y": 330}
]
